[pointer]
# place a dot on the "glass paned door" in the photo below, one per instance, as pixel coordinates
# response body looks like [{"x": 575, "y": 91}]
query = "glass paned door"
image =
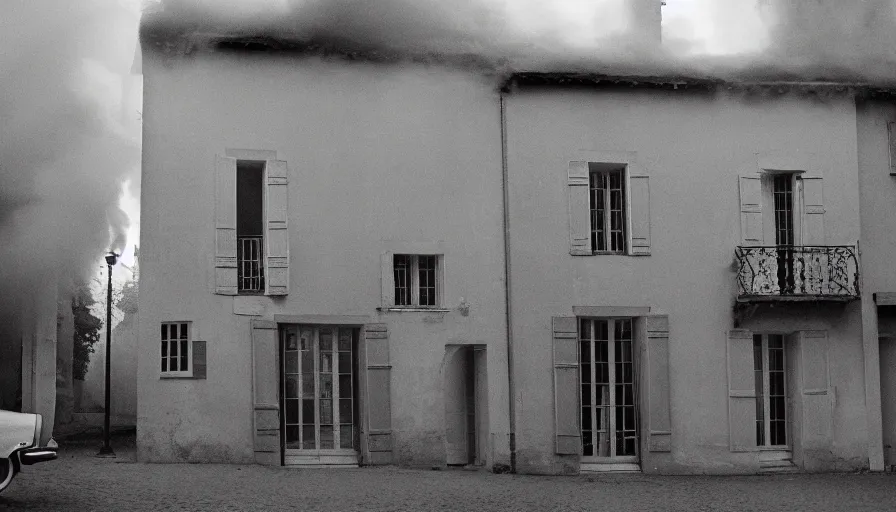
[
  {"x": 771, "y": 390},
  {"x": 319, "y": 388},
  {"x": 607, "y": 375}
]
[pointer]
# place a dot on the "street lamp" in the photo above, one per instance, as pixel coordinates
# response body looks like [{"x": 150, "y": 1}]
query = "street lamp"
[{"x": 106, "y": 450}]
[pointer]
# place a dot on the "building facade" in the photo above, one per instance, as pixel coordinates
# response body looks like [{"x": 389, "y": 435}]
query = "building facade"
[{"x": 359, "y": 262}]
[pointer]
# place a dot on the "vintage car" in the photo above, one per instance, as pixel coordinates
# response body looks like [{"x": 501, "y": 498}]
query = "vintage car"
[{"x": 23, "y": 441}]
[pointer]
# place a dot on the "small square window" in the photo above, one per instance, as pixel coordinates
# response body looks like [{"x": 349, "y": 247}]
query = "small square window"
[
  {"x": 176, "y": 346},
  {"x": 417, "y": 280}
]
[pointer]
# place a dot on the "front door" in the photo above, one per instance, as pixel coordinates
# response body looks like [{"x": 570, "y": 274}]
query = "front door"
[
  {"x": 608, "y": 394},
  {"x": 770, "y": 372},
  {"x": 319, "y": 390}
]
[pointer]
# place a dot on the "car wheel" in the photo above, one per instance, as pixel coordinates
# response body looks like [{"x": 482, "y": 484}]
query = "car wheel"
[{"x": 7, "y": 471}]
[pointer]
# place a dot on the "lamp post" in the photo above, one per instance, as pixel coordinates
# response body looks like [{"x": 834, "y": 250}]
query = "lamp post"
[{"x": 106, "y": 450}]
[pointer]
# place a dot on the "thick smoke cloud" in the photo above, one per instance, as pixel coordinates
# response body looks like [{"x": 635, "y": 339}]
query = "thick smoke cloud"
[
  {"x": 67, "y": 142},
  {"x": 802, "y": 39}
]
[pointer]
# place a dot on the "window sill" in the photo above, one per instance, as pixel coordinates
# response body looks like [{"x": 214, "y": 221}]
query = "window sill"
[
  {"x": 167, "y": 376},
  {"x": 414, "y": 309}
]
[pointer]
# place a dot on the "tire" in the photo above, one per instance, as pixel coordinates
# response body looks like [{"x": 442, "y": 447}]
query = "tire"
[{"x": 7, "y": 471}]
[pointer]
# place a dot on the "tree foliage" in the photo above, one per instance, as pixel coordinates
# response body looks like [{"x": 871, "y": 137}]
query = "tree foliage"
[{"x": 87, "y": 331}]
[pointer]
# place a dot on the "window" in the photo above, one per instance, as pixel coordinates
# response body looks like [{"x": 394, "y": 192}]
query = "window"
[
  {"x": 250, "y": 226},
  {"x": 416, "y": 280},
  {"x": 607, "y": 384},
  {"x": 608, "y": 206},
  {"x": 771, "y": 389},
  {"x": 176, "y": 349},
  {"x": 607, "y": 199}
]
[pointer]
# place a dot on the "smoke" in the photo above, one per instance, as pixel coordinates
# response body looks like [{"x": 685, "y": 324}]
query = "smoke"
[
  {"x": 836, "y": 40},
  {"x": 69, "y": 137}
]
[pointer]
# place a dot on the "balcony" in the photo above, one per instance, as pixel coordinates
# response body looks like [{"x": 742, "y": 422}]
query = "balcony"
[
  {"x": 250, "y": 264},
  {"x": 797, "y": 273}
]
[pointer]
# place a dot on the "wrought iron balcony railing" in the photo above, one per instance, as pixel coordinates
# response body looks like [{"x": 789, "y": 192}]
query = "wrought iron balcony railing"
[
  {"x": 797, "y": 273},
  {"x": 250, "y": 264}
]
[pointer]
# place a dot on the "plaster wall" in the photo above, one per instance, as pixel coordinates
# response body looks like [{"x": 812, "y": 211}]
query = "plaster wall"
[
  {"x": 878, "y": 209},
  {"x": 381, "y": 158},
  {"x": 693, "y": 146}
]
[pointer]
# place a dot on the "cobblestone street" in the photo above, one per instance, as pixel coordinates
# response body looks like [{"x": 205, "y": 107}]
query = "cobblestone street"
[{"x": 78, "y": 481}]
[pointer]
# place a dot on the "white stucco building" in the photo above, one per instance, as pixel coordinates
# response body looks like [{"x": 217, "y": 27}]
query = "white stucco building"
[{"x": 349, "y": 259}]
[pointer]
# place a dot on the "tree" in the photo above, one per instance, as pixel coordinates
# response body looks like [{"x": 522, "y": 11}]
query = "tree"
[{"x": 87, "y": 331}]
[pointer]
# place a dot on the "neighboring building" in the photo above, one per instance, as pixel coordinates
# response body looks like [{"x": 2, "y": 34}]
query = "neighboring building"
[{"x": 350, "y": 261}]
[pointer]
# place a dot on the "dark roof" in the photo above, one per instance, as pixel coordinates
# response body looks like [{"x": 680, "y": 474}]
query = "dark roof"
[{"x": 179, "y": 33}]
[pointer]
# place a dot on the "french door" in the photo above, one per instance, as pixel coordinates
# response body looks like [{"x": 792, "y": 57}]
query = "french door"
[
  {"x": 608, "y": 393},
  {"x": 319, "y": 392},
  {"x": 770, "y": 372}
]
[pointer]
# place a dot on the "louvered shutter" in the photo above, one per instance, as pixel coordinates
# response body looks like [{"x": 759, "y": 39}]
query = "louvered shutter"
[
  {"x": 276, "y": 223},
  {"x": 225, "y": 226},
  {"x": 379, "y": 398},
  {"x": 655, "y": 362},
  {"x": 579, "y": 209},
  {"x": 387, "y": 281},
  {"x": 816, "y": 425},
  {"x": 891, "y": 135},
  {"x": 751, "y": 210},
  {"x": 813, "y": 211},
  {"x": 265, "y": 392},
  {"x": 199, "y": 358},
  {"x": 639, "y": 193},
  {"x": 741, "y": 391},
  {"x": 566, "y": 386}
]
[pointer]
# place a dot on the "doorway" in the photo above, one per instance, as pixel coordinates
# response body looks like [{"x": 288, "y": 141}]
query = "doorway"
[
  {"x": 319, "y": 390},
  {"x": 465, "y": 385},
  {"x": 888, "y": 396},
  {"x": 608, "y": 395}
]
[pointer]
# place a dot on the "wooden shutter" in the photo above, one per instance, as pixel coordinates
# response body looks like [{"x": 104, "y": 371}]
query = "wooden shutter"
[
  {"x": 751, "y": 209},
  {"x": 199, "y": 356},
  {"x": 387, "y": 280},
  {"x": 655, "y": 361},
  {"x": 276, "y": 223},
  {"x": 379, "y": 397},
  {"x": 813, "y": 211},
  {"x": 566, "y": 386},
  {"x": 579, "y": 209},
  {"x": 741, "y": 391},
  {"x": 225, "y": 226},
  {"x": 816, "y": 427},
  {"x": 891, "y": 136},
  {"x": 639, "y": 210},
  {"x": 265, "y": 392}
]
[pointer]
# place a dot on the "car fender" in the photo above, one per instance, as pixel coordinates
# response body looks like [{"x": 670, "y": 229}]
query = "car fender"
[{"x": 18, "y": 431}]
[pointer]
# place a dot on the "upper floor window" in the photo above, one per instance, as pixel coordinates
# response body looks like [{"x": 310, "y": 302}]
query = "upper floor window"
[
  {"x": 609, "y": 207},
  {"x": 416, "y": 280},
  {"x": 250, "y": 226},
  {"x": 607, "y": 196}
]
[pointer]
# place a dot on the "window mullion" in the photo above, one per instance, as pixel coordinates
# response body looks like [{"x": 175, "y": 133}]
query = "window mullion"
[
  {"x": 611, "y": 386},
  {"x": 415, "y": 280}
]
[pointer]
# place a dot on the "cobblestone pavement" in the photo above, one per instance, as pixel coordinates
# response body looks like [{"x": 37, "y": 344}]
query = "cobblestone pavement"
[{"x": 78, "y": 481}]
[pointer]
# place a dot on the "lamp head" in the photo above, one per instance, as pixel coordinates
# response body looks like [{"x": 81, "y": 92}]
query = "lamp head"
[{"x": 111, "y": 258}]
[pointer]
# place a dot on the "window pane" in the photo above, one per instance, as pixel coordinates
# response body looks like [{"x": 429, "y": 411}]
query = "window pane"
[
  {"x": 326, "y": 411},
  {"x": 427, "y": 280},
  {"x": 345, "y": 410},
  {"x": 308, "y": 412},
  {"x": 326, "y": 340},
  {"x": 346, "y": 437},
  {"x": 292, "y": 436},
  {"x": 173, "y": 348},
  {"x": 173, "y": 331},
  {"x": 292, "y": 386},
  {"x": 183, "y": 356},
  {"x": 326, "y": 437},
  {"x": 345, "y": 339},
  {"x": 402, "y": 275},
  {"x": 309, "y": 439},
  {"x": 164, "y": 331},
  {"x": 291, "y": 343},
  {"x": 292, "y": 363},
  {"x": 345, "y": 362},
  {"x": 345, "y": 386},
  {"x": 292, "y": 411}
]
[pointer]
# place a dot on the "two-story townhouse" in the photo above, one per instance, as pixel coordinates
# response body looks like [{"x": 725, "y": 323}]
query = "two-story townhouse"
[
  {"x": 349, "y": 260},
  {"x": 322, "y": 260}
]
